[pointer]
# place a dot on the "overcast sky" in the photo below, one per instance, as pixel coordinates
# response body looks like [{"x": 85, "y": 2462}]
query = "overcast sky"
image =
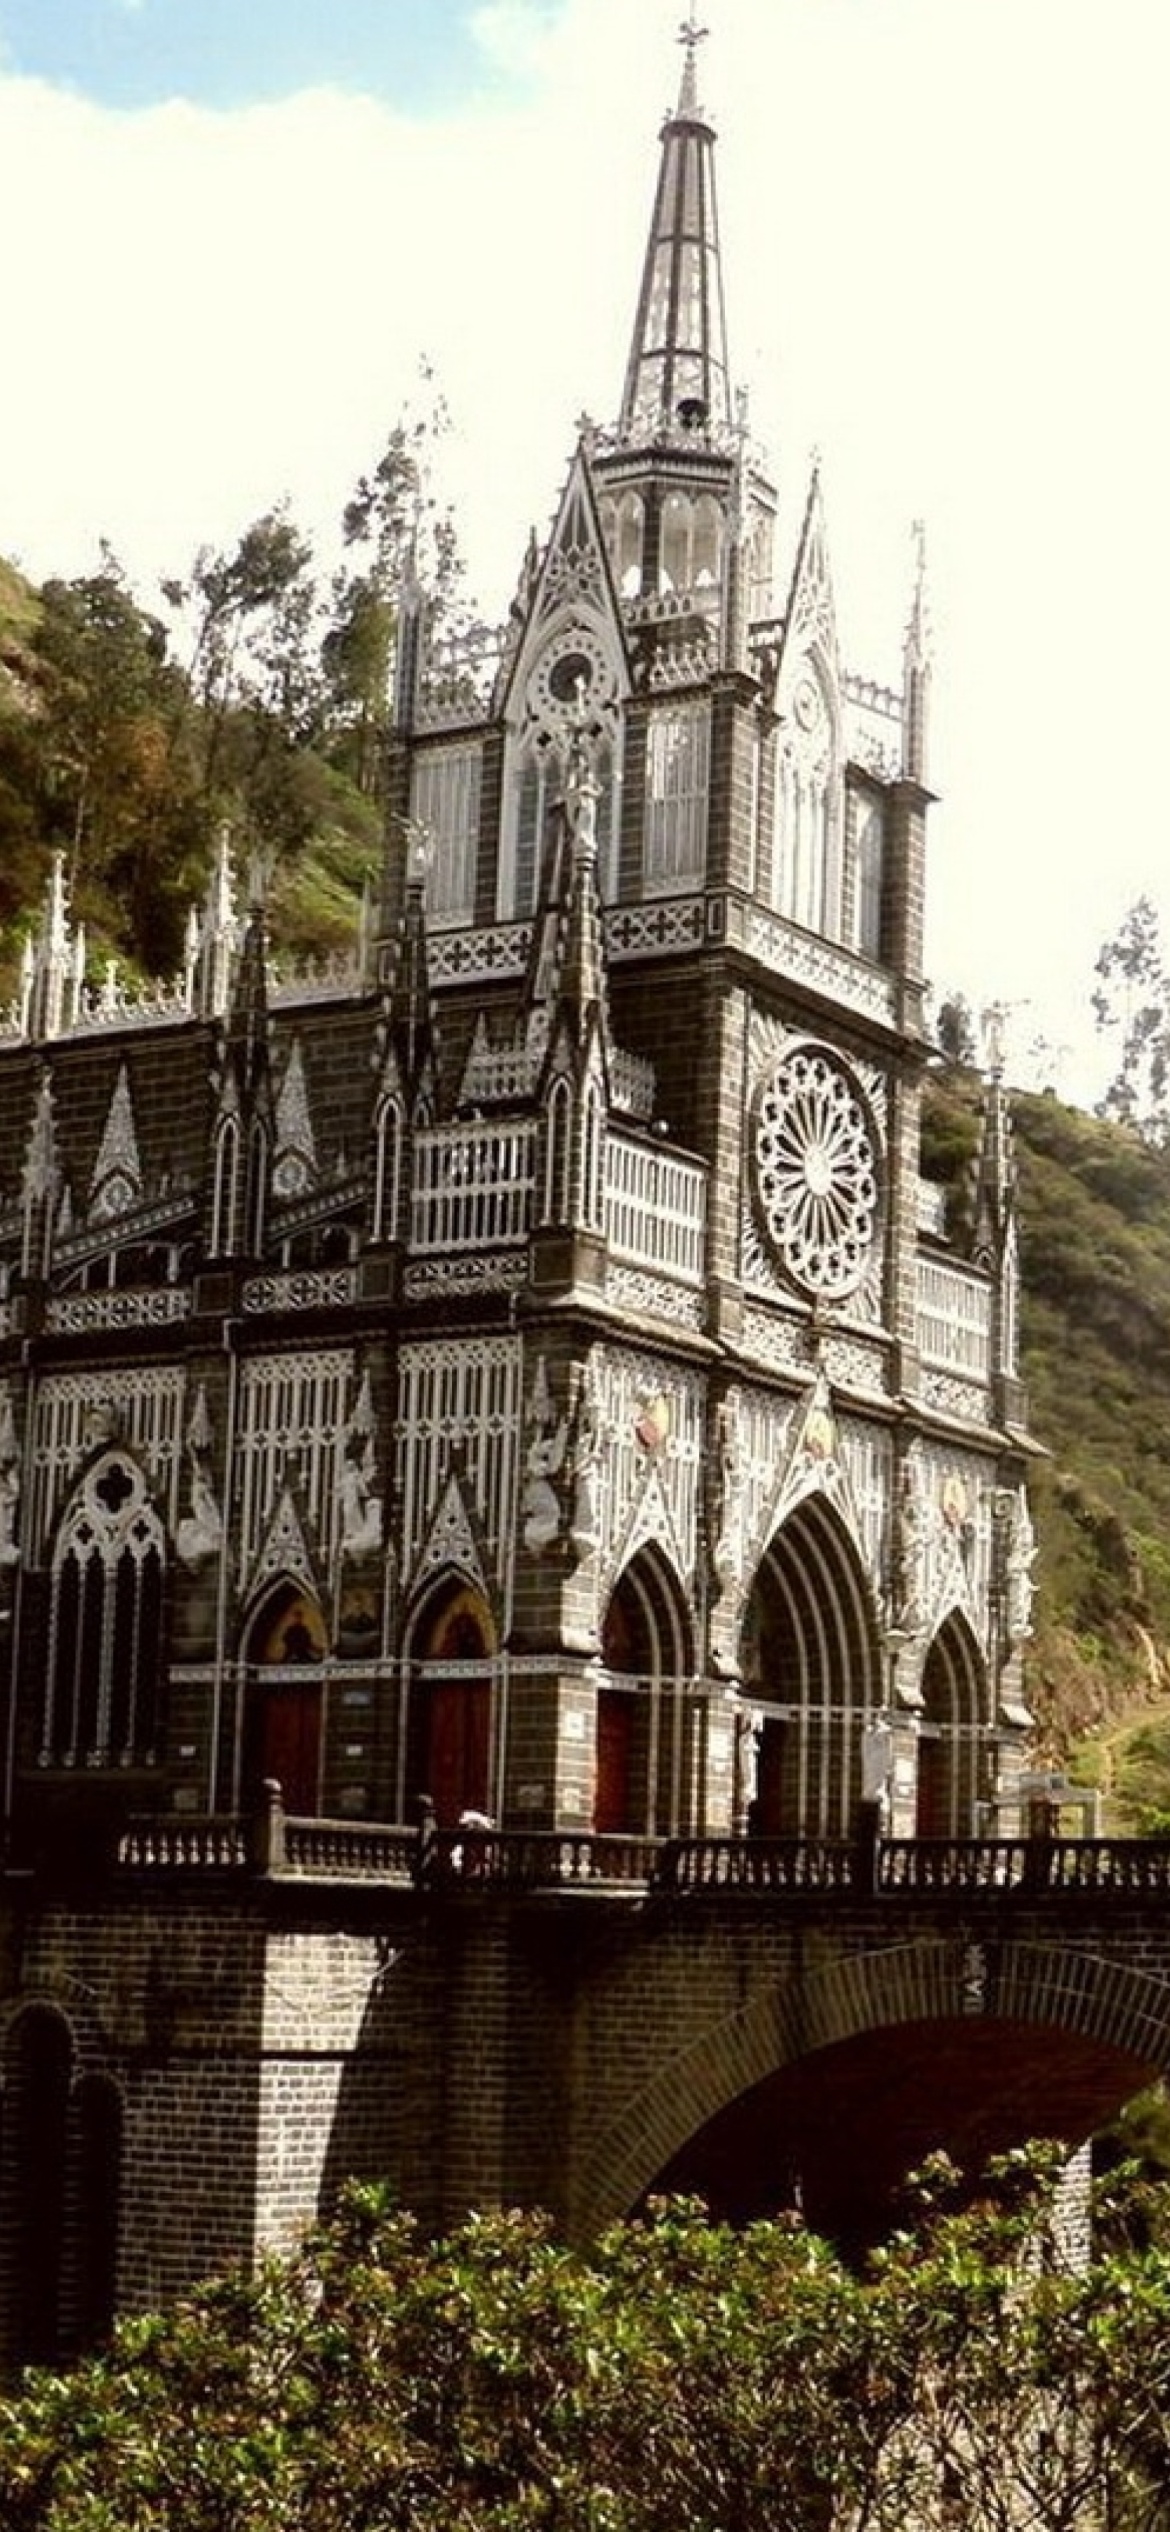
[{"x": 232, "y": 228}]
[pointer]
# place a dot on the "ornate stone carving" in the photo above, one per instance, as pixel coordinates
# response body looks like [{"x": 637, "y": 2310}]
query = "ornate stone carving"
[
  {"x": 294, "y": 1169},
  {"x": 308, "y": 1288},
  {"x": 465, "y": 1275},
  {"x": 9, "y": 1484},
  {"x": 541, "y": 1508},
  {"x": 816, "y": 1170},
  {"x": 727, "y": 1512},
  {"x": 653, "y": 1296},
  {"x": 1019, "y": 1557},
  {"x": 582, "y": 1471},
  {"x": 155, "y": 1306},
  {"x": 361, "y": 1504},
  {"x": 958, "y": 1398},
  {"x": 116, "y": 1185},
  {"x": 200, "y": 1534},
  {"x": 808, "y": 960}
]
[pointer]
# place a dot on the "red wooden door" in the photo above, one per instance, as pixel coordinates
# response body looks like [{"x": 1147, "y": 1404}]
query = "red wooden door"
[
  {"x": 615, "y": 1734},
  {"x": 932, "y": 1817},
  {"x": 456, "y": 1766},
  {"x": 287, "y": 1742}
]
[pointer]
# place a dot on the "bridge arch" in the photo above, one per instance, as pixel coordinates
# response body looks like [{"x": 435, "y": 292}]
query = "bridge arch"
[
  {"x": 828, "y": 2088},
  {"x": 811, "y": 1667}
]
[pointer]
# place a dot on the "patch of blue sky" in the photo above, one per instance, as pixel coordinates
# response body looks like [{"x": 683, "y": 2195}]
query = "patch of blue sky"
[{"x": 418, "y": 55}]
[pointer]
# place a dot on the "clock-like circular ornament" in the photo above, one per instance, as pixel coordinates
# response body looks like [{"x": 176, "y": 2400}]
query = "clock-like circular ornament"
[
  {"x": 814, "y": 1151},
  {"x": 806, "y": 704},
  {"x": 573, "y": 675}
]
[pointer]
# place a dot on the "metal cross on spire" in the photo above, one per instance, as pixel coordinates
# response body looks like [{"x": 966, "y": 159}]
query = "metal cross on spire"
[{"x": 692, "y": 35}]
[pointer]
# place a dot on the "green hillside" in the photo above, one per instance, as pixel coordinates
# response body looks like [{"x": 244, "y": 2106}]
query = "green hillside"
[{"x": 1095, "y": 1238}]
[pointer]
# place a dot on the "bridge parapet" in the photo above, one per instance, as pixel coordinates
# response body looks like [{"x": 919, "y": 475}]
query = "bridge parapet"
[{"x": 889, "y": 1869}]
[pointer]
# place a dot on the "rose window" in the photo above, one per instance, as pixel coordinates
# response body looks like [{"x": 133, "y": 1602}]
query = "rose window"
[{"x": 816, "y": 1171}]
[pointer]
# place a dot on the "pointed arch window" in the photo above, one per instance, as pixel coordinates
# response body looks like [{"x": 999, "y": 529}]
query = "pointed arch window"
[
  {"x": 558, "y": 1152},
  {"x": 106, "y": 1623},
  {"x": 869, "y": 873},
  {"x": 537, "y": 782},
  {"x": 226, "y": 1192},
  {"x": 444, "y": 798},
  {"x": 258, "y": 1157},
  {"x": 389, "y": 1131},
  {"x": 807, "y": 862},
  {"x": 592, "y": 1159},
  {"x": 678, "y": 760},
  {"x": 624, "y": 528}
]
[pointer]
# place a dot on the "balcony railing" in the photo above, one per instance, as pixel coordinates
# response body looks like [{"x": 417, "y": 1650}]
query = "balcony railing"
[
  {"x": 954, "y": 1319},
  {"x": 473, "y": 1187}
]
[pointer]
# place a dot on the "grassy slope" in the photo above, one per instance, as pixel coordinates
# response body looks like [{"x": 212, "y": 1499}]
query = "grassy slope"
[{"x": 1095, "y": 1238}]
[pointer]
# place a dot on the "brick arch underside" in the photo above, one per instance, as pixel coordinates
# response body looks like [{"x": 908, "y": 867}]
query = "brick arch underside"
[{"x": 829, "y": 2090}]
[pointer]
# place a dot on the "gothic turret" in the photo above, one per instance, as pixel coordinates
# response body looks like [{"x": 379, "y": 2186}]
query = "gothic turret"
[
  {"x": 687, "y": 516},
  {"x": 677, "y": 382},
  {"x": 243, "y": 1128},
  {"x": 916, "y": 673}
]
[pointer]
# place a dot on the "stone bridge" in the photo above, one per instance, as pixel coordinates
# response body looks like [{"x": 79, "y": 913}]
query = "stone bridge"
[{"x": 567, "y": 2021}]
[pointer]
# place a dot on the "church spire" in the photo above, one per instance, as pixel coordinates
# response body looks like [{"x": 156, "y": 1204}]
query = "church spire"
[{"x": 677, "y": 382}]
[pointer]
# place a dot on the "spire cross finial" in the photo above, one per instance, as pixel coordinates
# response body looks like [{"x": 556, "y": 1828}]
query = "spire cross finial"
[
  {"x": 690, "y": 32},
  {"x": 692, "y": 35}
]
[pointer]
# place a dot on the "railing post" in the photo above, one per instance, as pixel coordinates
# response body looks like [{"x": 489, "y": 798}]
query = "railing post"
[
  {"x": 425, "y": 1850},
  {"x": 268, "y": 1841},
  {"x": 865, "y": 1848},
  {"x": 665, "y": 1869}
]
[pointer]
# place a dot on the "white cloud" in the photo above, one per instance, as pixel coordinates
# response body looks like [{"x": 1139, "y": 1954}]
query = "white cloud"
[{"x": 943, "y": 233}]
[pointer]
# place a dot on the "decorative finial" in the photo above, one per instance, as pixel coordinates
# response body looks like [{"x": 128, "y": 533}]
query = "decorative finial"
[
  {"x": 692, "y": 35},
  {"x": 419, "y": 841},
  {"x": 993, "y": 1023}
]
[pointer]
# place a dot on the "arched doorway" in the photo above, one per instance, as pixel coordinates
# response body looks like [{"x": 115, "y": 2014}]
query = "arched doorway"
[
  {"x": 60, "y": 2194},
  {"x": 449, "y": 1734},
  {"x": 286, "y": 1645},
  {"x": 646, "y": 1759},
  {"x": 952, "y": 1783},
  {"x": 812, "y": 1672}
]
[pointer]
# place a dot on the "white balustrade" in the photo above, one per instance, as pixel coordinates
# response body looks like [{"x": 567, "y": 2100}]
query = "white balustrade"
[
  {"x": 954, "y": 1318},
  {"x": 655, "y": 1207},
  {"x": 473, "y": 1186}
]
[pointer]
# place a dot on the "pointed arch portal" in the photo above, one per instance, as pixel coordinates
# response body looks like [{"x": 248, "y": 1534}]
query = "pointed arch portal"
[
  {"x": 953, "y": 1742},
  {"x": 645, "y": 1783},
  {"x": 812, "y": 1672},
  {"x": 449, "y": 1721},
  {"x": 286, "y": 1644}
]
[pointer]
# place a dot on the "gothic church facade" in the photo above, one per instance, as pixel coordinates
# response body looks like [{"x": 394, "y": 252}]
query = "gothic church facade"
[{"x": 527, "y": 1377}]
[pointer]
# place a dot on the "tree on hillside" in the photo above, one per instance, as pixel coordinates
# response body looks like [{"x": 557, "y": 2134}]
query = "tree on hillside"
[
  {"x": 113, "y": 776},
  {"x": 253, "y": 675},
  {"x": 396, "y": 527},
  {"x": 1132, "y": 1005},
  {"x": 678, "y": 2377}
]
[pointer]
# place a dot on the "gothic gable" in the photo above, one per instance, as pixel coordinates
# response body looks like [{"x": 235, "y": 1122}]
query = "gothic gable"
[{"x": 116, "y": 1187}]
